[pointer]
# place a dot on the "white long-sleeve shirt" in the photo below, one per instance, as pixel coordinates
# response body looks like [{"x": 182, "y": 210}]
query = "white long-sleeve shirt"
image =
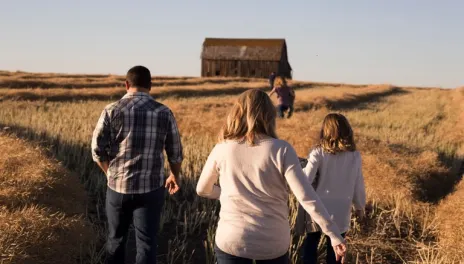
[
  {"x": 253, "y": 220},
  {"x": 341, "y": 183}
]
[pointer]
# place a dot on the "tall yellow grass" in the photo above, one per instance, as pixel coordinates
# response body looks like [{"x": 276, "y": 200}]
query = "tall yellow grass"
[{"x": 404, "y": 134}]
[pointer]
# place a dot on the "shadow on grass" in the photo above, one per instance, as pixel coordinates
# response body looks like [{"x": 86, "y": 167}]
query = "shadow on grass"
[
  {"x": 99, "y": 96},
  {"x": 349, "y": 101},
  {"x": 53, "y": 194},
  {"x": 43, "y": 78},
  {"x": 77, "y": 159},
  {"x": 431, "y": 172},
  {"x": 94, "y": 82}
]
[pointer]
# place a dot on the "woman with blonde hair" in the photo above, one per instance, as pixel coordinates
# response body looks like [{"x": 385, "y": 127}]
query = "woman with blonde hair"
[
  {"x": 285, "y": 96},
  {"x": 253, "y": 167},
  {"x": 334, "y": 166}
]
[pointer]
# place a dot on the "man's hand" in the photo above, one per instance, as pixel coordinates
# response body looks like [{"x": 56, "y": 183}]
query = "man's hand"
[
  {"x": 340, "y": 252},
  {"x": 171, "y": 184},
  {"x": 103, "y": 166}
]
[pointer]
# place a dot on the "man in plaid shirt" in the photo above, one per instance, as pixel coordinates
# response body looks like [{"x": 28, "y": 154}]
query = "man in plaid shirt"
[{"x": 128, "y": 144}]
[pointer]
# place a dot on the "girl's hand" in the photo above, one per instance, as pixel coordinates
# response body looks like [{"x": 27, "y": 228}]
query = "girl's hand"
[{"x": 340, "y": 252}]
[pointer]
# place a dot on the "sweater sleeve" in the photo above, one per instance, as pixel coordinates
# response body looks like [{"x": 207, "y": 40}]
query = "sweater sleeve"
[
  {"x": 206, "y": 186},
  {"x": 359, "y": 197},
  {"x": 307, "y": 197},
  {"x": 313, "y": 164}
]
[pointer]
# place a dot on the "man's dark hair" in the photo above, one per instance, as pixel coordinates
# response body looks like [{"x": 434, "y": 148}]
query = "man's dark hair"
[{"x": 139, "y": 76}]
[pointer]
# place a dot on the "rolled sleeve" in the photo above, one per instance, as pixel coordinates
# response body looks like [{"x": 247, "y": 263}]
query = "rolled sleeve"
[
  {"x": 101, "y": 138},
  {"x": 173, "y": 144},
  {"x": 312, "y": 166},
  {"x": 206, "y": 183}
]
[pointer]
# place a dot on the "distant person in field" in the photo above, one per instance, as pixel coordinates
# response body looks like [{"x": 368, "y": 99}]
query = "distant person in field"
[
  {"x": 334, "y": 168},
  {"x": 253, "y": 167},
  {"x": 128, "y": 144},
  {"x": 271, "y": 79},
  {"x": 285, "y": 97}
]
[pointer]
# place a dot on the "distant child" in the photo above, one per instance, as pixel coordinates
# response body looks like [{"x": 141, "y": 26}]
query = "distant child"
[
  {"x": 334, "y": 169},
  {"x": 272, "y": 79},
  {"x": 285, "y": 96}
]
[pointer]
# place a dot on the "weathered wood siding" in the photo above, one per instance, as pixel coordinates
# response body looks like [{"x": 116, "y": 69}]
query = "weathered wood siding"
[
  {"x": 239, "y": 68},
  {"x": 254, "y": 58}
]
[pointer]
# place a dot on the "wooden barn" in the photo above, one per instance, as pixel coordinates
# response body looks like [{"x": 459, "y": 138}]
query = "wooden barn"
[{"x": 255, "y": 58}]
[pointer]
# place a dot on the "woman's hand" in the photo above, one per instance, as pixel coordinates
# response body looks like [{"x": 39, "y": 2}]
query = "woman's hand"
[{"x": 340, "y": 252}]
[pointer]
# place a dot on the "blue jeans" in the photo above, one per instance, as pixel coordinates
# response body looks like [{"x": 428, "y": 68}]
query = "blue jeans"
[
  {"x": 283, "y": 108},
  {"x": 144, "y": 210},
  {"x": 224, "y": 258},
  {"x": 310, "y": 249}
]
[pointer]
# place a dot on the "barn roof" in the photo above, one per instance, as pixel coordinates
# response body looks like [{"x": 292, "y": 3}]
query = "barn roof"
[{"x": 243, "y": 49}]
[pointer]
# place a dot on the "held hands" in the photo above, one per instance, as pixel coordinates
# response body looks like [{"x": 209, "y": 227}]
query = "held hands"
[
  {"x": 171, "y": 184},
  {"x": 340, "y": 252}
]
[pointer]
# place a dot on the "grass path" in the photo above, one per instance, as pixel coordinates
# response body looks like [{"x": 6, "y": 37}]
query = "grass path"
[{"x": 42, "y": 208}]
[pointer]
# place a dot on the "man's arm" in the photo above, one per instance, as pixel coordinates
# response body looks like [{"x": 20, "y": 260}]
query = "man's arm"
[
  {"x": 103, "y": 165},
  {"x": 101, "y": 141},
  {"x": 175, "y": 169},
  {"x": 173, "y": 147}
]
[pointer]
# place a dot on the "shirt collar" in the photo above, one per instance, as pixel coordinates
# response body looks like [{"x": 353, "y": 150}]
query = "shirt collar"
[{"x": 136, "y": 94}]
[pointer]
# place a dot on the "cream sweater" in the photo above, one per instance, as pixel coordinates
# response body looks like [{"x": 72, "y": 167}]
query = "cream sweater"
[
  {"x": 253, "y": 221},
  {"x": 341, "y": 183}
]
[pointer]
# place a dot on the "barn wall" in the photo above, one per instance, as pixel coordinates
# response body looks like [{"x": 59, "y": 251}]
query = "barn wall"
[
  {"x": 284, "y": 69},
  {"x": 284, "y": 65},
  {"x": 238, "y": 68}
]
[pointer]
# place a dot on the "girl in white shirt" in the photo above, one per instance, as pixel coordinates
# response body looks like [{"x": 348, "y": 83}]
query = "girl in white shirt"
[
  {"x": 253, "y": 167},
  {"x": 340, "y": 182}
]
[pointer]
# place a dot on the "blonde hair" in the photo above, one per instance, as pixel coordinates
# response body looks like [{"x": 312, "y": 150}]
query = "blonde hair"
[
  {"x": 336, "y": 134},
  {"x": 252, "y": 114},
  {"x": 280, "y": 81}
]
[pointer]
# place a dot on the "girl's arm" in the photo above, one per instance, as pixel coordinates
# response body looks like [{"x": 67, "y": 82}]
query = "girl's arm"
[
  {"x": 272, "y": 92},
  {"x": 359, "y": 197},
  {"x": 307, "y": 197},
  {"x": 314, "y": 159},
  {"x": 206, "y": 184}
]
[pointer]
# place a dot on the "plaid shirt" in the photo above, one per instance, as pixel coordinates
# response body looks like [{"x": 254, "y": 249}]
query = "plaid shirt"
[{"x": 131, "y": 135}]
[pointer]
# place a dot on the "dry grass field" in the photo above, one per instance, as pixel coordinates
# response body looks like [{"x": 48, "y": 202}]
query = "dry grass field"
[
  {"x": 411, "y": 140},
  {"x": 43, "y": 208}
]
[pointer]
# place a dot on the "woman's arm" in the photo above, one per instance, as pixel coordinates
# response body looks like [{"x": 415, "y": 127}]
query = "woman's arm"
[
  {"x": 206, "y": 184},
  {"x": 308, "y": 198}
]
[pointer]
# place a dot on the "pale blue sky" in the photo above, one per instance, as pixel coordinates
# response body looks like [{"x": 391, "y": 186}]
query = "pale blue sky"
[{"x": 404, "y": 42}]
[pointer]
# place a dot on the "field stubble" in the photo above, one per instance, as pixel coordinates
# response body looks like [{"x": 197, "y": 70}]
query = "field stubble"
[{"x": 408, "y": 139}]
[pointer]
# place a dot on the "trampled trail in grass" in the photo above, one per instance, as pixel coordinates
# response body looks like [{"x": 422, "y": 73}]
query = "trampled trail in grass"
[
  {"x": 42, "y": 208},
  {"x": 409, "y": 139}
]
